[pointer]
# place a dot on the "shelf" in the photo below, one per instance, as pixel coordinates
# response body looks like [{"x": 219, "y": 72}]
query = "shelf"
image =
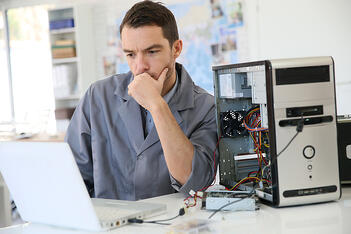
[
  {"x": 65, "y": 60},
  {"x": 72, "y": 76},
  {"x": 71, "y": 97},
  {"x": 67, "y": 102},
  {"x": 63, "y": 30}
]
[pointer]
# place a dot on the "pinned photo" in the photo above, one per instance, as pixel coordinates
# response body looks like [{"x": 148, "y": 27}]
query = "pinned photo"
[
  {"x": 234, "y": 13},
  {"x": 216, "y": 9}
]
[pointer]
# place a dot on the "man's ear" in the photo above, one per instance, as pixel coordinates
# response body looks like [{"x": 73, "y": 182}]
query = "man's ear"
[{"x": 177, "y": 48}]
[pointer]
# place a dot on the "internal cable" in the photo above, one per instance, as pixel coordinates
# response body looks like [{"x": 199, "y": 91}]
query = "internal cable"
[{"x": 254, "y": 179}]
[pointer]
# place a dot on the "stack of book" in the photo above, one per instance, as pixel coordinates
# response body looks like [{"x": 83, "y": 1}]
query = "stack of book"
[{"x": 64, "y": 49}]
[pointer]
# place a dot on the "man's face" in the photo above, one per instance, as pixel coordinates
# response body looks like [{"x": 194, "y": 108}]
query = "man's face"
[{"x": 147, "y": 50}]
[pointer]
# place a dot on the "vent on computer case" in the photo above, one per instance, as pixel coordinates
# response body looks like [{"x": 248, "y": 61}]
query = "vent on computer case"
[{"x": 232, "y": 124}]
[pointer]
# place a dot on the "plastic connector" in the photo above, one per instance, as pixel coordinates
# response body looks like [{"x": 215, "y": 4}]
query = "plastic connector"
[
  {"x": 192, "y": 193},
  {"x": 181, "y": 211},
  {"x": 135, "y": 220},
  {"x": 261, "y": 184},
  {"x": 300, "y": 124}
]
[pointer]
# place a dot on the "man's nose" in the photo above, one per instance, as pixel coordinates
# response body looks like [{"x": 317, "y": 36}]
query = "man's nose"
[{"x": 141, "y": 65}]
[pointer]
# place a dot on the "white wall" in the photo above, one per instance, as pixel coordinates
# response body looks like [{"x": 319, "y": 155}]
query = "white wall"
[{"x": 300, "y": 28}]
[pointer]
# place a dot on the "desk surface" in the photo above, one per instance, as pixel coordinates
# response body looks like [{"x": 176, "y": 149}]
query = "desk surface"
[
  {"x": 331, "y": 217},
  {"x": 33, "y": 137}
]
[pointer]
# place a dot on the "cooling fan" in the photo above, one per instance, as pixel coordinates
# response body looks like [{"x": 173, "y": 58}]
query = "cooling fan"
[{"x": 232, "y": 123}]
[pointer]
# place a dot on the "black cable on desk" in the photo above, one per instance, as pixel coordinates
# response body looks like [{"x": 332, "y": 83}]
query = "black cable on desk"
[
  {"x": 13, "y": 206},
  {"x": 140, "y": 221}
]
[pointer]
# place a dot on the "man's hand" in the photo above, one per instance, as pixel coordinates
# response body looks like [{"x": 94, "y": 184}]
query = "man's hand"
[{"x": 147, "y": 90}]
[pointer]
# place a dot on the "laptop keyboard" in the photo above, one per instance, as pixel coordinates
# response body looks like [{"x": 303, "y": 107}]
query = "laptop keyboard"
[{"x": 110, "y": 213}]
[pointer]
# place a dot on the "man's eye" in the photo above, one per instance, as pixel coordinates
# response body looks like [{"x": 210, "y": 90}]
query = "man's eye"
[
  {"x": 130, "y": 55},
  {"x": 153, "y": 51}
]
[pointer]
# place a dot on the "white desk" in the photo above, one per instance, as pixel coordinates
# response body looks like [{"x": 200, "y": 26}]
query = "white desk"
[{"x": 331, "y": 217}]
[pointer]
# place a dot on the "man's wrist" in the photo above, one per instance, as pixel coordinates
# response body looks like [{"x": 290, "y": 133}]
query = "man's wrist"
[{"x": 157, "y": 106}]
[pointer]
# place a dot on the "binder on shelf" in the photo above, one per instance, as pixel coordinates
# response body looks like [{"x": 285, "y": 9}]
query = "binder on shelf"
[
  {"x": 64, "y": 51},
  {"x": 62, "y": 23},
  {"x": 64, "y": 80},
  {"x": 64, "y": 42},
  {"x": 64, "y": 113},
  {"x": 72, "y": 56}
]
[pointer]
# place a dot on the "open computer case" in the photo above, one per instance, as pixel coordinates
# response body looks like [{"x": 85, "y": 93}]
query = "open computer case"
[{"x": 282, "y": 107}]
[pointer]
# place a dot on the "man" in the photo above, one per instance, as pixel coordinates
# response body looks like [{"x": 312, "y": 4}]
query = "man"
[{"x": 151, "y": 131}]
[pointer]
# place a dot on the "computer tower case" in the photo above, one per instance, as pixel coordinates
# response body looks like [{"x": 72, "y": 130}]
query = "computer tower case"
[
  {"x": 261, "y": 108},
  {"x": 344, "y": 147}
]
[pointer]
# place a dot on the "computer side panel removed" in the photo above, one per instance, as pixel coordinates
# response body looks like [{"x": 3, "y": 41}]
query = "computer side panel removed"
[{"x": 260, "y": 106}]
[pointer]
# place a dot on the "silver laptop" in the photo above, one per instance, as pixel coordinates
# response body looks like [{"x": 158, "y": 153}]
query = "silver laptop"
[{"x": 47, "y": 187}]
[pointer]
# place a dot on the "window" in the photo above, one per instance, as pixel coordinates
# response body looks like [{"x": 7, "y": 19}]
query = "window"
[
  {"x": 5, "y": 98},
  {"x": 33, "y": 99}
]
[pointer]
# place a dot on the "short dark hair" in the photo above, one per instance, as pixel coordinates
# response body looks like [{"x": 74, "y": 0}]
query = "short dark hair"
[{"x": 147, "y": 13}]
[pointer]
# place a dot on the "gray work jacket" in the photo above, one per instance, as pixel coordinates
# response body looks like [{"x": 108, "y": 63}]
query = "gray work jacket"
[{"x": 107, "y": 139}]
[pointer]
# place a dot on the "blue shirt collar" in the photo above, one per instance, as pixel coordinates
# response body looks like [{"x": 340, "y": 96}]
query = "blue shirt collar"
[{"x": 168, "y": 96}]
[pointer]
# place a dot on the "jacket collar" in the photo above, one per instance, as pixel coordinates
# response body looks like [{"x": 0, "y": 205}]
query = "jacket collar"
[
  {"x": 184, "y": 96},
  {"x": 122, "y": 82}
]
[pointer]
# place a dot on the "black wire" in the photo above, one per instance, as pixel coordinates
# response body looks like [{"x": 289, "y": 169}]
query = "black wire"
[
  {"x": 162, "y": 220},
  {"x": 299, "y": 129},
  {"x": 297, "y": 133},
  {"x": 230, "y": 203},
  {"x": 13, "y": 206},
  {"x": 140, "y": 221},
  {"x": 158, "y": 223},
  {"x": 135, "y": 220}
]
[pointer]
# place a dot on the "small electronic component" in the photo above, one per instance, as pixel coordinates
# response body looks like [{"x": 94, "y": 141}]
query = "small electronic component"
[{"x": 241, "y": 200}]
